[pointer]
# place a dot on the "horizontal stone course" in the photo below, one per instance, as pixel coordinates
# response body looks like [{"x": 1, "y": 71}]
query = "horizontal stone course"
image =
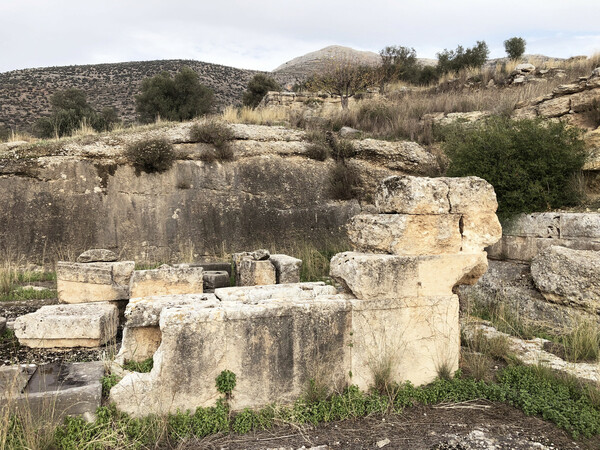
[{"x": 93, "y": 282}]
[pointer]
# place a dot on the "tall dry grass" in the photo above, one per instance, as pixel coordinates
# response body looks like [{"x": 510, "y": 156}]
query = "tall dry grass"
[{"x": 257, "y": 116}]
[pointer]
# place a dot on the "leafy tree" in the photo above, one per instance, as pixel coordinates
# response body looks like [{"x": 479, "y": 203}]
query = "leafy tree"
[
  {"x": 182, "y": 97},
  {"x": 69, "y": 110},
  {"x": 530, "y": 163},
  {"x": 515, "y": 47},
  {"x": 257, "y": 88},
  {"x": 344, "y": 78},
  {"x": 397, "y": 63},
  {"x": 455, "y": 60}
]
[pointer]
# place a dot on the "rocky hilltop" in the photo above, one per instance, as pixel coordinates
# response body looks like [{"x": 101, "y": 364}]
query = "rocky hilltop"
[{"x": 24, "y": 93}]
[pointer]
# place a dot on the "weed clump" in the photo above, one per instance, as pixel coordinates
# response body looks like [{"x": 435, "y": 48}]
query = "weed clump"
[
  {"x": 151, "y": 155},
  {"x": 217, "y": 134}
]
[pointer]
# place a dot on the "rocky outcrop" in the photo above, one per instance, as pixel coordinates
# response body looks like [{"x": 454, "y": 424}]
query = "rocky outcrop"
[
  {"x": 77, "y": 194},
  {"x": 568, "y": 277}
]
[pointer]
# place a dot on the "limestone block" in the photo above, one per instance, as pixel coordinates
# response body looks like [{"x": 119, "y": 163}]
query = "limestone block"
[
  {"x": 213, "y": 266},
  {"x": 55, "y": 389},
  {"x": 287, "y": 268},
  {"x": 97, "y": 255},
  {"x": 145, "y": 311},
  {"x": 420, "y": 195},
  {"x": 139, "y": 344},
  {"x": 584, "y": 101},
  {"x": 412, "y": 195},
  {"x": 556, "y": 107},
  {"x": 580, "y": 226},
  {"x": 543, "y": 225},
  {"x": 403, "y": 234},
  {"x": 81, "y": 325},
  {"x": 250, "y": 272},
  {"x": 412, "y": 338},
  {"x": 374, "y": 276},
  {"x": 569, "y": 277},
  {"x": 167, "y": 280},
  {"x": 273, "y": 348},
  {"x": 479, "y": 231},
  {"x": 93, "y": 282},
  {"x": 214, "y": 279},
  {"x": 257, "y": 294}
]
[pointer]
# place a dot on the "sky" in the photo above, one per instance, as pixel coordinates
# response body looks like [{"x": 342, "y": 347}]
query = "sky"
[{"x": 262, "y": 34}]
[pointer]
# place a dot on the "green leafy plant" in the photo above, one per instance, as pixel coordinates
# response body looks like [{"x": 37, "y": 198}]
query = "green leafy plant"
[
  {"x": 515, "y": 47},
  {"x": 531, "y": 164},
  {"x": 108, "y": 381},
  {"x": 144, "y": 366},
  {"x": 151, "y": 155},
  {"x": 177, "y": 98},
  {"x": 225, "y": 382},
  {"x": 257, "y": 88},
  {"x": 461, "y": 58}
]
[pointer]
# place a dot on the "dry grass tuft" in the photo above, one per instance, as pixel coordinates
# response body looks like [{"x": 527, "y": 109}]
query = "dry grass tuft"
[{"x": 257, "y": 116}]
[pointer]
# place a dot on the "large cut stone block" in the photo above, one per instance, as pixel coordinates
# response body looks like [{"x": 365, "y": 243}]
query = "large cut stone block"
[
  {"x": 51, "y": 391},
  {"x": 411, "y": 339},
  {"x": 167, "y": 280},
  {"x": 478, "y": 231},
  {"x": 93, "y": 282},
  {"x": 273, "y": 348},
  {"x": 419, "y": 195},
  {"x": 569, "y": 277},
  {"x": 257, "y": 294},
  {"x": 81, "y": 325},
  {"x": 374, "y": 276},
  {"x": 287, "y": 268},
  {"x": 141, "y": 335},
  {"x": 403, "y": 234},
  {"x": 215, "y": 279},
  {"x": 250, "y": 272}
]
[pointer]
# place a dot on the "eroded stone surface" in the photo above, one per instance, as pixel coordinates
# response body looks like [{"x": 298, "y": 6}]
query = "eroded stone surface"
[
  {"x": 568, "y": 276},
  {"x": 145, "y": 311},
  {"x": 373, "y": 276},
  {"x": 258, "y": 294},
  {"x": 167, "y": 280},
  {"x": 250, "y": 272},
  {"x": 97, "y": 255},
  {"x": 287, "y": 268},
  {"x": 93, "y": 282},
  {"x": 81, "y": 325}
]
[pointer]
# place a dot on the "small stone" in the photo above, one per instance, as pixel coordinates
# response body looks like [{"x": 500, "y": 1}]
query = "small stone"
[
  {"x": 260, "y": 255},
  {"x": 383, "y": 443},
  {"x": 525, "y": 67},
  {"x": 97, "y": 255},
  {"x": 349, "y": 132}
]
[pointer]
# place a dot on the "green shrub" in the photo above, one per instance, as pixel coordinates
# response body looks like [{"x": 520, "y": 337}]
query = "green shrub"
[
  {"x": 226, "y": 382},
  {"x": 515, "y": 47},
  {"x": 144, "y": 366},
  {"x": 318, "y": 151},
  {"x": 257, "y": 88},
  {"x": 151, "y": 155},
  {"x": 455, "y": 60},
  {"x": 177, "y": 98},
  {"x": 531, "y": 164}
]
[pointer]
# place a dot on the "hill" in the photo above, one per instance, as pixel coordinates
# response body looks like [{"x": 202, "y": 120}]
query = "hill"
[{"x": 24, "y": 93}]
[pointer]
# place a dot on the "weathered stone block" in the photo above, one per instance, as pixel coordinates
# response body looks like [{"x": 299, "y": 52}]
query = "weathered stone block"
[
  {"x": 373, "y": 276},
  {"x": 273, "y": 348},
  {"x": 410, "y": 337},
  {"x": 139, "y": 344},
  {"x": 250, "y": 272},
  {"x": 556, "y": 107},
  {"x": 257, "y": 294},
  {"x": 419, "y": 195},
  {"x": 97, "y": 255},
  {"x": 167, "y": 280},
  {"x": 287, "y": 268},
  {"x": 93, "y": 282},
  {"x": 567, "y": 276},
  {"x": 51, "y": 391},
  {"x": 81, "y": 325},
  {"x": 145, "y": 311},
  {"x": 216, "y": 279},
  {"x": 478, "y": 231},
  {"x": 403, "y": 234}
]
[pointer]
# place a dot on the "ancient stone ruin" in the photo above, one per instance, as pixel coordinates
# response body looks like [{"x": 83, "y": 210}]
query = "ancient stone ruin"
[{"x": 396, "y": 311}]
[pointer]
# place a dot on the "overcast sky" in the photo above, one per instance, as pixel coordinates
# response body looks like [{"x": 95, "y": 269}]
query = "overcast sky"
[{"x": 262, "y": 34}]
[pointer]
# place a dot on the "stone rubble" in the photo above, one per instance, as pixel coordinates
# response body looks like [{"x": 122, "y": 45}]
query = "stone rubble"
[{"x": 97, "y": 255}]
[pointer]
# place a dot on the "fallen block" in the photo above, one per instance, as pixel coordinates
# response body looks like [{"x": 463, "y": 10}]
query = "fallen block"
[
  {"x": 257, "y": 294},
  {"x": 215, "y": 279},
  {"x": 167, "y": 280},
  {"x": 287, "y": 268},
  {"x": 93, "y": 282},
  {"x": 67, "y": 326}
]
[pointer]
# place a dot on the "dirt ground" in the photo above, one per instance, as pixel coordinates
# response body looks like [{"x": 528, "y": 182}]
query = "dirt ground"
[{"x": 470, "y": 425}]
